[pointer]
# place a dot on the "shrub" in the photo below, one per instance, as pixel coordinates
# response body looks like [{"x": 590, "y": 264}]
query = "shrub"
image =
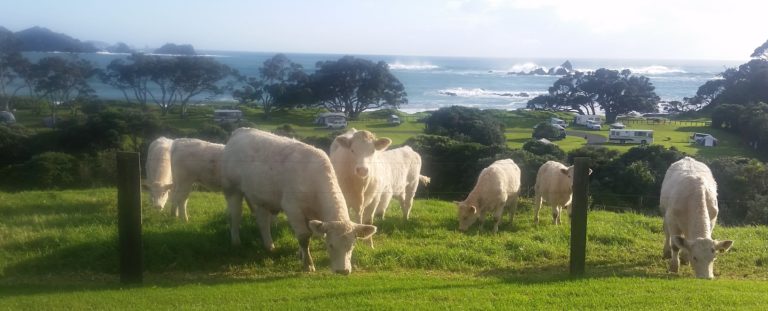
[
  {"x": 452, "y": 165},
  {"x": 49, "y": 170},
  {"x": 540, "y": 148},
  {"x": 286, "y": 130},
  {"x": 212, "y": 133},
  {"x": 548, "y": 131},
  {"x": 466, "y": 125}
]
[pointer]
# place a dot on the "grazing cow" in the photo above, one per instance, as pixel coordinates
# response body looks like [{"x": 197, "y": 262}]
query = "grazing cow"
[
  {"x": 399, "y": 177},
  {"x": 158, "y": 168},
  {"x": 554, "y": 185},
  {"x": 193, "y": 161},
  {"x": 276, "y": 174},
  {"x": 497, "y": 188},
  {"x": 689, "y": 205},
  {"x": 355, "y": 156}
]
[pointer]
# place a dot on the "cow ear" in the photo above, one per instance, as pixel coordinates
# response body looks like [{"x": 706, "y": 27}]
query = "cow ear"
[
  {"x": 317, "y": 227},
  {"x": 364, "y": 231},
  {"x": 590, "y": 172},
  {"x": 723, "y": 246},
  {"x": 382, "y": 143},
  {"x": 344, "y": 141},
  {"x": 680, "y": 242},
  {"x": 564, "y": 171}
]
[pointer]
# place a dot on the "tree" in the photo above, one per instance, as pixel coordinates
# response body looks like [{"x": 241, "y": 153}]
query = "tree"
[
  {"x": 353, "y": 85},
  {"x": 620, "y": 92},
  {"x": 278, "y": 85},
  {"x": 10, "y": 62},
  {"x": 61, "y": 80},
  {"x": 166, "y": 81},
  {"x": 466, "y": 125},
  {"x": 761, "y": 51},
  {"x": 612, "y": 91},
  {"x": 566, "y": 95}
]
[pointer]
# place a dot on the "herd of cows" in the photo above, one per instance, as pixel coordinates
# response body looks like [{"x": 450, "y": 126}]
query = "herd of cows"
[{"x": 317, "y": 191}]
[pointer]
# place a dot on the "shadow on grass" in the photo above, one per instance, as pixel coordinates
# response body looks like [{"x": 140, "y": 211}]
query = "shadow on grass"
[{"x": 549, "y": 273}]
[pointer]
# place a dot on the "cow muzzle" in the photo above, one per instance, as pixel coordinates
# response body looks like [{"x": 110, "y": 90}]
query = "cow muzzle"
[{"x": 361, "y": 171}]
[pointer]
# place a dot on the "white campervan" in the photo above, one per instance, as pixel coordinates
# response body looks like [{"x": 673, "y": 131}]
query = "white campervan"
[
  {"x": 227, "y": 115},
  {"x": 631, "y": 136},
  {"x": 584, "y": 119}
]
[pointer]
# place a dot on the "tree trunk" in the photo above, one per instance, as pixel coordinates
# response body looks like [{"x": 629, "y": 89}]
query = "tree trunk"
[{"x": 610, "y": 117}]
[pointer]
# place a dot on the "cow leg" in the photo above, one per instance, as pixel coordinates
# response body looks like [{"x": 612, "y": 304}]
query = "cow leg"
[
  {"x": 407, "y": 202},
  {"x": 299, "y": 224},
  {"x": 179, "y": 200},
  {"x": 264, "y": 220},
  {"x": 512, "y": 206},
  {"x": 383, "y": 204},
  {"x": 674, "y": 260},
  {"x": 556, "y": 214},
  {"x": 235, "y": 209},
  {"x": 537, "y": 201},
  {"x": 667, "y": 252},
  {"x": 497, "y": 215}
]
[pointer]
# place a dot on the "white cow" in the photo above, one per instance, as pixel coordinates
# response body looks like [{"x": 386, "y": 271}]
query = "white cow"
[
  {"x": 158, "y": 168},
  {"x": 497, "y": 188},
  {"x": 281, "y": 174},
  {"x": 193, "y": 161},
  {"x": 689, "y": 205},
  {"x": 355, "y": 156},
  {"x": 398, "y": 175},
  {"x": 554, "y": 185}
]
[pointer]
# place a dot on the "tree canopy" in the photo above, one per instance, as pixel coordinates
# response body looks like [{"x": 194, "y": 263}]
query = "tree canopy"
[
  {"x": 166, "y": 81},
  {"x": 353, "y": 85},
  {"x": 613, "y": 91},
  {"x": 279, "y": 83},
  {"x": 61, "y": 80}
]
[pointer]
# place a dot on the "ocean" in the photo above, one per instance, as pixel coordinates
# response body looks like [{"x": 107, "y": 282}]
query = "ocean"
[{"x": 434, "y": 82}]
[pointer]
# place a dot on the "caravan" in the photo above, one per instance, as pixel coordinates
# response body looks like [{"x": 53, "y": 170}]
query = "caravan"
[
  {"x": 584, "y": 119},
  {"x": 631, "y": 136}
]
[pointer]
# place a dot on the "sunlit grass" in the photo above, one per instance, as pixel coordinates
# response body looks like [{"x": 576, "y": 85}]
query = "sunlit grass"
[{"x": 58, "y": 249}]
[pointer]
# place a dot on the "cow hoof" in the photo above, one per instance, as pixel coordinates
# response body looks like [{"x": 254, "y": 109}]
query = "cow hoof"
[{"x": 310, "y": 268}]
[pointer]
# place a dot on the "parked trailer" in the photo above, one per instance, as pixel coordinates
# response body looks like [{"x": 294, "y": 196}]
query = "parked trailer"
[{"x": 631, "y": 136}]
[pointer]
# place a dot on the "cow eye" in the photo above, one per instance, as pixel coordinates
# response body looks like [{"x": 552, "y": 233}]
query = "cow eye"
[
  {"x": 695, "y": 259},
  {"x": 330, "y": 245}
]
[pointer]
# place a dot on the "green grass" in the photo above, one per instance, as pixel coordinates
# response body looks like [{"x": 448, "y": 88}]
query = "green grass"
[{"x": 58, "y": 250}]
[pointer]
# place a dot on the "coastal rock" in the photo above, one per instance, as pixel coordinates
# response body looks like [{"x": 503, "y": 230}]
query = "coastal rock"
[
  {"x": 561, "y": 70},
  {"x": 174, "y": 49},
  {"x": 120, "y": 47}
]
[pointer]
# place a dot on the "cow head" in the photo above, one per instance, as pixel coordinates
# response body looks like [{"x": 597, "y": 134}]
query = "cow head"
[
  {"x": 569, "y": 173},
  {"x": 158, "y": 193},
  {"x": 468, "y": 214},
  {"x": 340, "y": 239},
  {"x": 702, "y": 253},
  {"x": 363, "y": 145}
]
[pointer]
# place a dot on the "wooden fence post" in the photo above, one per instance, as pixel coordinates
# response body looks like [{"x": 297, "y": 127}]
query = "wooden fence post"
[
  {"x": 129, "y": 217},
  {"x": 579, "y": 215}
]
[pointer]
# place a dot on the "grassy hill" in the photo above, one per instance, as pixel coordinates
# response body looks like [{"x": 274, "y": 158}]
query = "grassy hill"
[{"x": 58, "y": 250}]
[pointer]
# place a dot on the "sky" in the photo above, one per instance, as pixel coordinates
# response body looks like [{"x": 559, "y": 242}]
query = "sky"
[{"x": 644, "y": 29}]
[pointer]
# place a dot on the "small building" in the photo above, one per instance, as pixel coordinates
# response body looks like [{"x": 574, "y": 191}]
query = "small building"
[
  {"x": 631, "y": 136},
  {"x": 584, "y": 119},
  {"x": 393, "y": 119},
  {"x": 332, "y": 120},
  {"x": 227, "y": 115}
]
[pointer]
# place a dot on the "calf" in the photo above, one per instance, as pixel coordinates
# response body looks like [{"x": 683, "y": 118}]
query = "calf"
[
  {"x": 158, "y": 168},
  {"x": 689, "y": 205},
  {"x": 497, "y": 187},
  {"x": 193, "y": 161},
  {"x": 554, "y": 185}
]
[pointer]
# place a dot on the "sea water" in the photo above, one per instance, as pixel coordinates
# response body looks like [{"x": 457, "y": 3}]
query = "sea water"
[{"x": 434, "y": 82}]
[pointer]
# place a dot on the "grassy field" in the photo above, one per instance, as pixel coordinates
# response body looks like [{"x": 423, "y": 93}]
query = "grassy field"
[{"x": 58, "y": 250}]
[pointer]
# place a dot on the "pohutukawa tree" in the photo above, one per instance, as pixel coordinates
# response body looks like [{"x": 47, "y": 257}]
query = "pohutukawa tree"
[
  {"x": 614, "y": 92},
  {"x": 353, "y": 85},
  {"x": 61, "y": 80},
  {"x": 279, "y": 81},
  {"x": 166, "y": 81}
]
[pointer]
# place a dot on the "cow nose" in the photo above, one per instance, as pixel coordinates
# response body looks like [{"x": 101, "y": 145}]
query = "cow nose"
[
  {"x": 361, "y": 171},
  {"x": 343, "y": 271}
]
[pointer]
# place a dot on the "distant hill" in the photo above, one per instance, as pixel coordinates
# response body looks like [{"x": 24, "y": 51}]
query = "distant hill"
[
  {"x": 41, "y": 39},
  {"x": 174, "y": 49},
  {"x": 120, "y": 47}
]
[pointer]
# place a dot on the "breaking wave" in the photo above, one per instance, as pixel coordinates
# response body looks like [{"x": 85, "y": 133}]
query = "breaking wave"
[
  {"x": 412, "y": 66},
  {"x": 483, "y": 93}
]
